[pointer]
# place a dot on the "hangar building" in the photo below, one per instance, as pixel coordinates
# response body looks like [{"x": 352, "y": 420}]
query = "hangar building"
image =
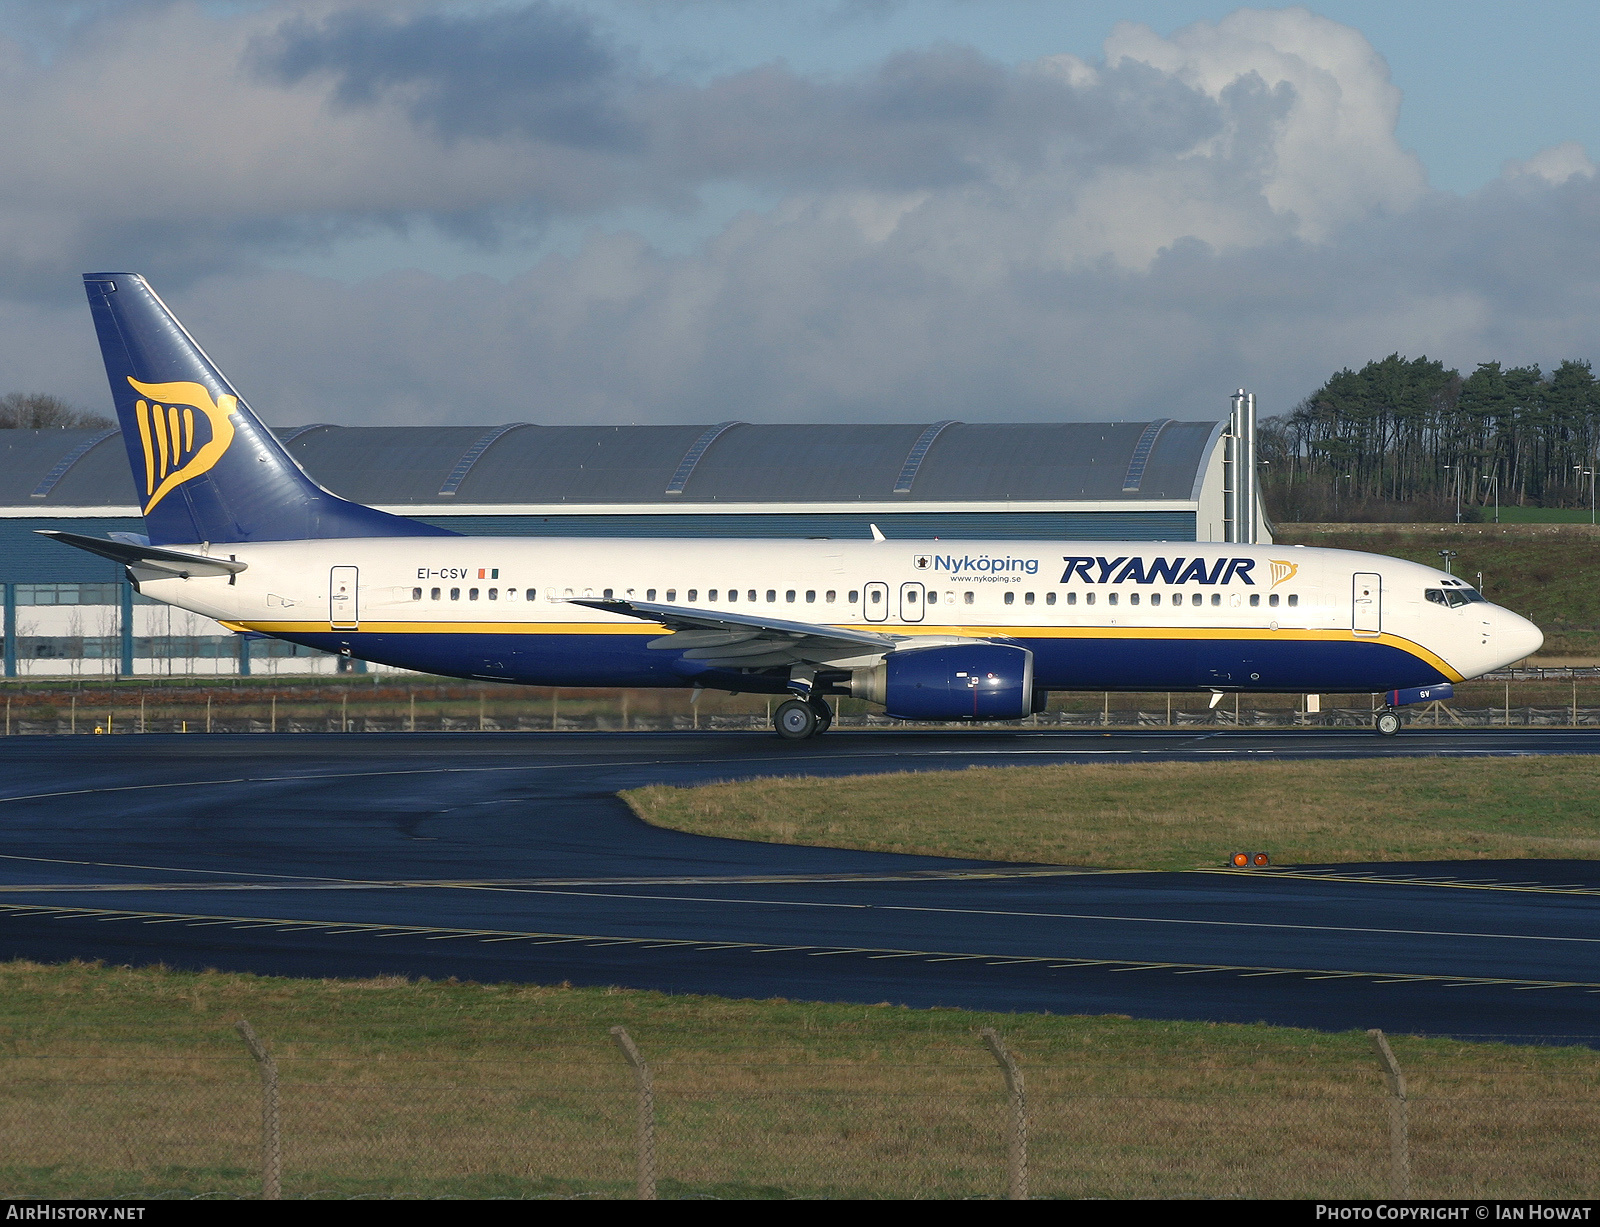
[{"x": 68, "y": 613}]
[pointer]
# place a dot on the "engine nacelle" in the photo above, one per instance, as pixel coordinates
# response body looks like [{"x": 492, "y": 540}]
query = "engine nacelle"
[{"x": 961, "y": 681}]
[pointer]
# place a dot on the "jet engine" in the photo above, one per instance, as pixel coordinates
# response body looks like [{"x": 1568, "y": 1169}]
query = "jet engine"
[{"x": 962, "y": 681}]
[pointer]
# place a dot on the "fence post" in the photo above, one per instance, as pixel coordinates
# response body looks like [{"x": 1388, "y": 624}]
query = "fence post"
[
  {"x": 645, "y": 1127},
  {"x": 1399, "y": 1132},
  {"x": 1017, "y": 1150},
  {"x": 271, "y": 1144}
]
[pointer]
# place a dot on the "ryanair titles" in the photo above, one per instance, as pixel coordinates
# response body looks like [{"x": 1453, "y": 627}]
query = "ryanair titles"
[{"x": 1126, "y": 570}]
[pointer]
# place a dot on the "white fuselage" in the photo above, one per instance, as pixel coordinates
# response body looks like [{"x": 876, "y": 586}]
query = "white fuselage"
[{"x": 1112, "y": 615}]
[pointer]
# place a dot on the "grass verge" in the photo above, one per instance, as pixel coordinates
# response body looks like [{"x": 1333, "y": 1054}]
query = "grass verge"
[
  {"x": 131, "y": 1083},
  {"x": 1168, "y": 815}
]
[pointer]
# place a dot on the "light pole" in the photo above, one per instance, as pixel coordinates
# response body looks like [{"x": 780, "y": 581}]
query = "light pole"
[
  {"x": 1589, "y": 473},
  {"x": 1447, "y": 555},
  {"x": 1494, "y": 479},
  {"x": 1457, "y": 469}
]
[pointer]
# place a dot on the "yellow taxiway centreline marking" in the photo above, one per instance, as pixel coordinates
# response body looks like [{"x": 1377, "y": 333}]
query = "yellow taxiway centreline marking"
[
  {"x": 1373, "y": 879},
  {"x": 524, "y": 884},
  {"x": 1048, "y": 962}
]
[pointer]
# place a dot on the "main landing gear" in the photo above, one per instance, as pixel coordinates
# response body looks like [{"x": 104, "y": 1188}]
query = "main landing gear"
[
  {"x": 1386, "y": 723},
  {"x": 797, "y": 719}
]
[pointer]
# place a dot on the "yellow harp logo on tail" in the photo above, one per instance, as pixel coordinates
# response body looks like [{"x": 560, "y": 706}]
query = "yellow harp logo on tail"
[
  {"x": 1282, "y": 571},
  {"x": 177, "y": 446}
]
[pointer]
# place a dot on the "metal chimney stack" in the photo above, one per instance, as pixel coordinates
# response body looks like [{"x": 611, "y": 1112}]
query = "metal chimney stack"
[{"x": 1241, "y": 487}]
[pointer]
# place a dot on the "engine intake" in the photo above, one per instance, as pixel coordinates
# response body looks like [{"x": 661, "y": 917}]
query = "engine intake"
[{"x": 967, "y": 681}]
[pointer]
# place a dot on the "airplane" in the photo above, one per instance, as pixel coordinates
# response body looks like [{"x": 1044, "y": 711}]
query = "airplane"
[{"x": 930, "y": 630}]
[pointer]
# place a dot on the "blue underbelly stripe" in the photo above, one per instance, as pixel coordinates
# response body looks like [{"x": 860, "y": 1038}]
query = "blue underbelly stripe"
[{"x": 1157, "y": 664}]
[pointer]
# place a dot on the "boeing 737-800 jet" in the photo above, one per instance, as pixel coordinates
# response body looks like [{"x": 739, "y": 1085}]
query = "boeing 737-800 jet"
[{"x": 932, "y": 630}]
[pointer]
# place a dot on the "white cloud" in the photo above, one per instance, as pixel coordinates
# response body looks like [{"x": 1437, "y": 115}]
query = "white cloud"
[
  {"x": 1554, "y": 165},
  {"x": 1133, "y": 237}
]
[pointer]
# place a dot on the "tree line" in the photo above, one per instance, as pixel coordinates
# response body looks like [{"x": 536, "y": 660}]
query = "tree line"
[
  {"x": 1409, "y": 439},
  {"x": 41, "y": 411}
]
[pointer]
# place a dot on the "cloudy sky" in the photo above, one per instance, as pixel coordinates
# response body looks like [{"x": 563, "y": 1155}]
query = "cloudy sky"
[{"x": 613, "y": 211}]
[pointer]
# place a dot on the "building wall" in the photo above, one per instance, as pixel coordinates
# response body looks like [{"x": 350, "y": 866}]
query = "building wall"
[{"x": 69, "y": 614}]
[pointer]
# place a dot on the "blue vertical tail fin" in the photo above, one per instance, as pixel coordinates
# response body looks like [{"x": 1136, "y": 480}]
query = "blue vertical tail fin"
[{"x": 204, "y": 466}]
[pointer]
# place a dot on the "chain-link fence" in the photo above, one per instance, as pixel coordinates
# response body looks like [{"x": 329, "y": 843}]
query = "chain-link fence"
[{"x": 973, "y": 1124}]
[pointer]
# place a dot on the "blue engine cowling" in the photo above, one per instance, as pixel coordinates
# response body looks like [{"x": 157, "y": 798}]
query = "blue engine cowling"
[{"x": 961, "y": 681}]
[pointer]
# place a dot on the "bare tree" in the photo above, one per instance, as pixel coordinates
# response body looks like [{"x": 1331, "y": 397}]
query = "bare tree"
[{"x": 40, "y": 410}]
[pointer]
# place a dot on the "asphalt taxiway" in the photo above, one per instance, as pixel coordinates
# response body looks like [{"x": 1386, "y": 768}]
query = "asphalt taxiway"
[{"x": 509, "y": 857}]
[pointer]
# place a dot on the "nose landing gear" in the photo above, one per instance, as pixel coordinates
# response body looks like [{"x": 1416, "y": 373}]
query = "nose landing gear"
[
  {"x": 797, "y": 719},
  {"x": 1386, "y": 723}
]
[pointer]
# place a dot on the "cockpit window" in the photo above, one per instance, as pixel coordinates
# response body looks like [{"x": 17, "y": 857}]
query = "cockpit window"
[{"x": 1453, "y": 597}]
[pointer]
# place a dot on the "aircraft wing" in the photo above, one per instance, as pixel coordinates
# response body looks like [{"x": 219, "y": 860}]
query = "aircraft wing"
[
  {"x": 748, "y": 641},
  {"x": 144, "y": 557}
]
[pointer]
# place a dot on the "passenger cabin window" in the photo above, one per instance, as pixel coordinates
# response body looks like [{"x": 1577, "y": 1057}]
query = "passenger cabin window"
[
  {"x": 672, "y": 594},
  {"x": 416, "y": 594},
  {"x": 472, "y": 594},
  {"x": 1027, "y": 598},
  {"x": 1072, "y": 598},
  {"x": 1011, "y": 598},
  {"x": 1049, "y": 598},
  {"x": 712, "y": 595},
  {"x": 772, "y": 595},
  {"x": 1255, "y": 599},
  {"x": 1216, "y": 598},
  {"x": 855, "y": 595},
  {"x": 811, "y": 596},
  {"x": 433, "y": 595},
  {"x": 876, "y": 596},
  {"x": 1088, "y": 598},
  {"x": 455, "y": 594},
  {"x": 969, "y": 598},
  {"x": 1133, "y": 598},
  {"x": 1155, "y": 598},
  {"x": 1112, "y": 598},
  {"x": 494, "y": 594},
  {"x": 750, "y": 595},
  {"x": 1294, "y": 600},
  {"x": 1196, "y": 599},
  {"x": 606, "y": 594},
  {"x": 649, "y": 594},
  {"x": 830, "y": 595},
  {"x": 911, "y": 597},
  {"x": 694, "y": 595},
  {"x": 789, "y": 596}
]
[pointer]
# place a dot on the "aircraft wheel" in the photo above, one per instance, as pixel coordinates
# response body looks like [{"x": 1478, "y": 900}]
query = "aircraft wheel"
[
  {"x": 824, "y": 714},
  {"x": 1386, "y": 723},
  {"x": 795, "y": 720}
]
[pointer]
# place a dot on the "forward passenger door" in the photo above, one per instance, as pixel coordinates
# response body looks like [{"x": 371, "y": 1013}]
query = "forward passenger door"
[{"x": 1366, "y": 603}]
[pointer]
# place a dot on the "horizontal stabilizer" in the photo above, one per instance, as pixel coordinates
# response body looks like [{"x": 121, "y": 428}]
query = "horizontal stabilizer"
[{"x": 148, "y": 557}]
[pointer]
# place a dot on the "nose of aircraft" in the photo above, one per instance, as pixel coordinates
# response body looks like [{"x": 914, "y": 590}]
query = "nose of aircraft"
[{"x": 1513, "y": 637}]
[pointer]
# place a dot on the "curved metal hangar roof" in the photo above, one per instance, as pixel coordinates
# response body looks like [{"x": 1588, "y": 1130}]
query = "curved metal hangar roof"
[{"x": 519, "y": 466}]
